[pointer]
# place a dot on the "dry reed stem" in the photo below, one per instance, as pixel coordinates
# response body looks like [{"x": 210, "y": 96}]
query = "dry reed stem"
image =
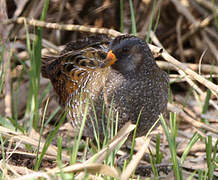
[
  {"x": 17, "y": 137},
  {"x": 209, "y": 5},
  {"x": 20, "y": 170},
  {"x": 206, "y": 68},
  {"x": 181, "y": 68},
  {"x": 100, "y": 156},
  {"x": 114, "y": 33},
  {"x": 66, "y": 27},
  {"x": 193, "y": 29},
  {"x": 92, "y": 168},
  {"x": 190, "y": 120},
  {"x": 88, "y": 165},
  {"x": 185, "y": 12},
  {"x": 27, "y": 154},
  {"x": 135, "y": 161},
  {"x": 210, "y": 44},
  {"x": 213, "y": 87},
  {"x": 33, "y": 176}
]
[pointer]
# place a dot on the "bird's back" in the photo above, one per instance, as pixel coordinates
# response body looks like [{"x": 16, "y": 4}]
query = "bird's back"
[{"x": 70, "y": 70}]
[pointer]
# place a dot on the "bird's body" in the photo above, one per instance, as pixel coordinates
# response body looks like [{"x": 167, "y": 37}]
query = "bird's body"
[{"x": 114, "y": 78}]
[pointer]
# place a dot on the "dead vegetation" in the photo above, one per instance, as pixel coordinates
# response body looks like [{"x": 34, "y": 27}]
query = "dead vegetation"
[{"x": 183, "y": 38}]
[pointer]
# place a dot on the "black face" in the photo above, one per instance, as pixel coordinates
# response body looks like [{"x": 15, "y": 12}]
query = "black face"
[{"x": 130, "y": 52}]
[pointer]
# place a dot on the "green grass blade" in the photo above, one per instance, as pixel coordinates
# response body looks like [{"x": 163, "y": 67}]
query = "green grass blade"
[
  {"x": 52, "y": 115},
  {"x": 36, "y": 66},
  {"x": 41, "y": 130},
  {"x": 5, "y": 122},
  {"x": 192, "y": 141},
  {"x": 191, "y": 176},
  {"x": 157, "y": 20},
  {"x": 173, "y": 127},
  {"x": 215, "y": 156},
  {"x": 134, "y": 31},
  {"x": 151, "y": 22},
  {"x": 2, "y": 149},
  {"x": 206, "y": 102},
  {"x": 210, "y": 165},
  {"x": 76, "y": 145},
  {"x": 134, "y": 135},
  {"x": 172, "y": 146},
  {"x": 49, "y": 140},
  {"x": 96, "y": 127},
  {"x": 121, "y": 17},
  {"x": 45, "y": 92},
  {"x": 154, "y": 168},
  {"x": 159, "y": 154},
  {"x": 32, "y": 109},
  {"x": 59, "y": 156},
  {"x": 215, "y": 14},
  {"x": 15, "y": 124},
  {"x": 28, "y": 115}
]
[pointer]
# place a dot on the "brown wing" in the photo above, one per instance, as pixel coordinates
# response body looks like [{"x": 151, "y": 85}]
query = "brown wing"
[
  {"x": 70, "y": 71},
  {"x": 91, "y": 41}
]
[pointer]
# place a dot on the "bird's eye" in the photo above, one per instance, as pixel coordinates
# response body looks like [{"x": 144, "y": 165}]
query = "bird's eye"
[{"x": 125, "y": 49}]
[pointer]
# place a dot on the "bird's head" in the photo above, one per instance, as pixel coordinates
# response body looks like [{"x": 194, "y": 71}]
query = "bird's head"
[{"x": 128, "y": 53}]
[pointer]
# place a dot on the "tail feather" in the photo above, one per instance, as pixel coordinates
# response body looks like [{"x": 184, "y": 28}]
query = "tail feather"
[{"x": 49, "y": 66}]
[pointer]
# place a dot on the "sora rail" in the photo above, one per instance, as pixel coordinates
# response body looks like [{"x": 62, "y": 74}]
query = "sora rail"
[{"x": 113, "y": 77}]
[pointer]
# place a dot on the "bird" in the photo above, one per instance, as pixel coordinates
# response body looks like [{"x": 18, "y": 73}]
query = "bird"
[{"x": 105, "y": 80}]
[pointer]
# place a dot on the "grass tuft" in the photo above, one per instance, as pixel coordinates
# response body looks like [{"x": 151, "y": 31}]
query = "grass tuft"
[{"x": 171, "y": 138}]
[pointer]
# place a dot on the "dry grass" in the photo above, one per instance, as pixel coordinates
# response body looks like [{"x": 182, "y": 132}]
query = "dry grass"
[{"x": 183, "y": 38}]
